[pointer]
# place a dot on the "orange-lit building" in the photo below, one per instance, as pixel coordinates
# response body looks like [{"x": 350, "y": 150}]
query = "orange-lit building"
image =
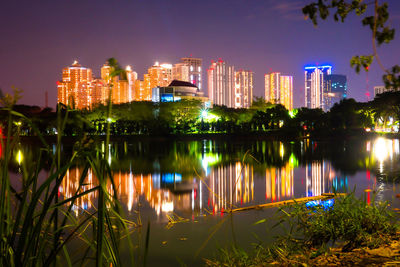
[
  {"x": 75, "y": 88},
  {"x": 279, "y": 89},
  {"x": 78, "y": 89}
]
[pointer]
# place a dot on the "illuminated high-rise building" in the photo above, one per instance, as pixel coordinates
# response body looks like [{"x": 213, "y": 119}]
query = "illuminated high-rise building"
[
  {"x": 75, "y": 88},
  {"x": 221, "y": 84},
  {"x": 243, "y": 88},
  {"x": 315, "y": 91},
  {"x": 160, "y": 75},
  {"x": 335, "y": 89},
  {"x": 140, "y": 92},
  {"x": 279, "y": 89},
  {"x": 122, "y": 85},
  {"x": 100, "y": 92},
  {"x": 131, "y": 77},
  {"x": 180, "y": 72},
  {"x": 195, "y": 70}
]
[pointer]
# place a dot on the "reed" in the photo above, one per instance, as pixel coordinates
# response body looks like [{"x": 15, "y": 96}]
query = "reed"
[{"x": 38, "y": 224}]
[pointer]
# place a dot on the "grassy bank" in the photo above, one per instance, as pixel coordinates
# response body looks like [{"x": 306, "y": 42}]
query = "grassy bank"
[{"x": 350, "y": 230}]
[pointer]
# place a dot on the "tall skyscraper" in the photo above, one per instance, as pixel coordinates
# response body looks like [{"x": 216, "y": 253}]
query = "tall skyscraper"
[
  {"x": 195, "y": 70},
  {"x": 160, "y": 75},
  {"x": 279, "y": 89},
  {"x": 221, "y": 84},
  {"x": 243, "y": 89},
  {"x": 122, "y": 85},
  {"x": 75, "y": 88},
  {"x": 315, "y": 91},
  {"x": 335, "y": 89}
]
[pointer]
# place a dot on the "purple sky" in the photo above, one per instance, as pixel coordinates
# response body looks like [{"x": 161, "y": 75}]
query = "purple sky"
[{"x": 39, "y": 38}]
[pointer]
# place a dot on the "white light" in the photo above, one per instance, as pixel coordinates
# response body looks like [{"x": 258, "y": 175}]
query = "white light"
[
  {"x": 166, "y": 66},
  {"x": 128, "y": 68}
]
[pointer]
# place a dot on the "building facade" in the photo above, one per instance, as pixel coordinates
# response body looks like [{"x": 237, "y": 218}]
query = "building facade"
[
  {"x": 243, "y": 88},
  {"x": 75, "y": 88},
  {"x": 335, "y": 89},
  {"x": 195, "y": 71},
  {"x": 381, "y": 89},
  {"x": 221, "y": 84},
  {"x": 79, "y": 89},
  {"x": 315, "y": 91},
  {"x": 279, "y": 89},
  {"x": 180, "y": 72}
]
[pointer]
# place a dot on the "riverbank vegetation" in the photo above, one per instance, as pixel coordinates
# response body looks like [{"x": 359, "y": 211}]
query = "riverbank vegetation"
[
  {"x": 190, "y": 117},
  {"x": 321, "y": 233}
]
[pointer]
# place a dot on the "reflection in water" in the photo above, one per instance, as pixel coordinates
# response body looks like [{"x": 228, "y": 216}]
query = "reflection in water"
[
  {"x": 167, "y": 178},
  {"x": 384, "y": 149},
  {"x": 230, "y": 185},
  {"x": 279, "y": 183}
]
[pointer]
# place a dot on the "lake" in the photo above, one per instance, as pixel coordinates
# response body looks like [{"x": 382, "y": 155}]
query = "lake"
[{"x": 183, "y": 188}]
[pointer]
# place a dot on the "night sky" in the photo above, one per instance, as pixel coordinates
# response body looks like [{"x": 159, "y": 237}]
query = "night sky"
[{"x": 39, "y": 38}]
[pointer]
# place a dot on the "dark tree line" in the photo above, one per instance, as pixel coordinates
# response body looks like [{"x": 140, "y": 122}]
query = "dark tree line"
[{"x": 190, "y": 117}]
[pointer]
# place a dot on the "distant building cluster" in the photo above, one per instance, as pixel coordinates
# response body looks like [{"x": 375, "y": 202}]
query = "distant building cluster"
[
  {"x": 226, "y": 86},
  {"x": 81, "y": 90},
  {"x": 322, "y": 88}
]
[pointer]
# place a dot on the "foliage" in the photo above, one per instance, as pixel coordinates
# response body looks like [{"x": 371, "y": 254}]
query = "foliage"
[
  {"x": 382, "y": 31},
  {"x": 350, "y": 223},
  {"x": 350, "y": 220},
  {"x": 37, "y": 223}
]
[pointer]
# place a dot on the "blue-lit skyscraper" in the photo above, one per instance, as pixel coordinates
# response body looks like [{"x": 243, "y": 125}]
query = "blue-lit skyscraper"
[
  {"x": 315, "y": 85},
  {"x": 336, "y": 89}
]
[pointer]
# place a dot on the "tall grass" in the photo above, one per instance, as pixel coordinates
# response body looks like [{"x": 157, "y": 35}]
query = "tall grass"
[
  {"x": 309, "y": 231},
  {"x": 37, "y": 224}
]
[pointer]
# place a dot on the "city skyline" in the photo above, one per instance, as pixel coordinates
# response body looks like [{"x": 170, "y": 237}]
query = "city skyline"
[{"x": 39, "y": 40}]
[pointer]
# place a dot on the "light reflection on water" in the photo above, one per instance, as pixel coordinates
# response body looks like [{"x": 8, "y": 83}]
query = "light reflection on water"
[
  {"x": 202, "y": 179},
  {"x": 221, "y": 185}
]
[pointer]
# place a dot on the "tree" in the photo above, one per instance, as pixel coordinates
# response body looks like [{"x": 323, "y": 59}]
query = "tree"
[{"x": 382, "y": 32}]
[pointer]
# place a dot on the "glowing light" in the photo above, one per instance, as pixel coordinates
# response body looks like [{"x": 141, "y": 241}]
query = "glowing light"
[
  {"x": 18, "y": 123},
  {"x": 166, "y": 66},
  {"x": 109, "y": 119},
  {"x": 207, "y": 116},
  {"x": 293, "y": 113},
  {"x": 19, "y": 157},
  {"x": 209, "y": 159},
  {"x": 317, "y": 67},
  {"x": 128, "y": 68},
  {"x": 293, "y": 162},
  {"x": 382, "y": 150},
  {"x": 167, "y": 206},
  {"x": 281, "y": 150}
]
